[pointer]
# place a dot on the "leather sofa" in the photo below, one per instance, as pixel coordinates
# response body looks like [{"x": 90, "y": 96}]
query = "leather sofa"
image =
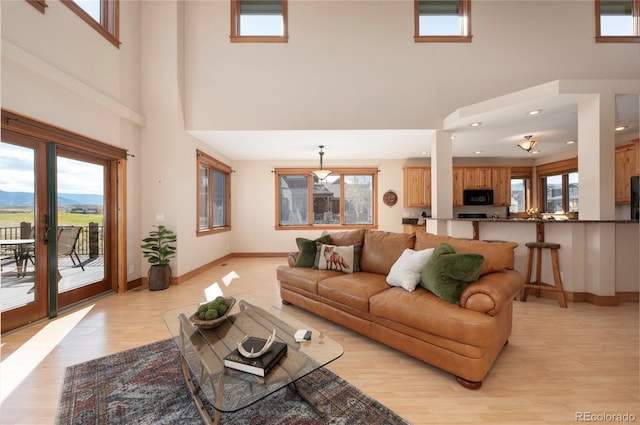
[{"x": 463, "y": 339}]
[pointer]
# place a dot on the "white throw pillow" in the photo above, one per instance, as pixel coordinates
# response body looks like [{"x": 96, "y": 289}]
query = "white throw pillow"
[
  {"x": 405, "y": 272},
  {"x": 332, "y": 257}
]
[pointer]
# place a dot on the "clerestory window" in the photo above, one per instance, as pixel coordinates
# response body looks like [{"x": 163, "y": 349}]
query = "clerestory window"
[
  {"x": 618, "y": 21},
  {"x": 259, "y": 21},
  {"x": 101, "y": 15},
  {"x": 442, "y": 20}
]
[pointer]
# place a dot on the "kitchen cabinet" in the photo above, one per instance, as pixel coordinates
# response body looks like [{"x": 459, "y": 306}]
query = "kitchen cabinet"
[
  {"x": 478, "y": 178},
  {"x": 627, "y": 165},
  {"x": 417, "y": 186},
  {"x": 458, "y": 186},
  {"x": 501, "y": 180}
]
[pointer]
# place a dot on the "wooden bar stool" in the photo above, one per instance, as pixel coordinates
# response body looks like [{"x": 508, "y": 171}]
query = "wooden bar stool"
[{"x": 538, "y": 285}]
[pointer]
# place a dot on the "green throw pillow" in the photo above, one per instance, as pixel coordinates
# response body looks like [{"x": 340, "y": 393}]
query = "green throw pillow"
[
  {"x": 448, "y": 272},
  {"x": 307, "y": 250}
]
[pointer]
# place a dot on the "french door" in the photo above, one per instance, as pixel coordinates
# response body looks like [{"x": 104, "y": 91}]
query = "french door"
[{"x": 58, "y": 221}]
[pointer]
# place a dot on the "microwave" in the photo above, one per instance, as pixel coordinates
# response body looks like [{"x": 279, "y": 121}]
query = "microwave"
[{"x": 478, "y": 197}]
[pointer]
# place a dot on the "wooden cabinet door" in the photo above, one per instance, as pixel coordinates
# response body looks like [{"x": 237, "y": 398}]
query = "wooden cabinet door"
[
  {"x": 458, "y": 186},
  {"x": 478, "y": 178},
  {"x": 501, "y": 177},
  {"x": 417, "y": 187},
  {"x": 626, "y": 166}
]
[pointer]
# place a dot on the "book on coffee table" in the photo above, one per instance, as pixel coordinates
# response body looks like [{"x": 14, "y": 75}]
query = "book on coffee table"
[{"x": 260, "y": 365}]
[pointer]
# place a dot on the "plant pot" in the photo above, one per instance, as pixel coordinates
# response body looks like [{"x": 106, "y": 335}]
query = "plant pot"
[{"x": 159, "y": 277}]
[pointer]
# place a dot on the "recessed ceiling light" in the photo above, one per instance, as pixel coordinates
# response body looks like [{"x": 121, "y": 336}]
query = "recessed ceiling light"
[
  {"x": 570, "y": 142},
  {"x": 475, "y": 124},
  {"x": 621, "y": 127},
  {"x": 534, "y": 112},
  {"x": 535, "y": 152},
  {"x": 477, "y": 152},
  {"x": 423, "y": 152}
]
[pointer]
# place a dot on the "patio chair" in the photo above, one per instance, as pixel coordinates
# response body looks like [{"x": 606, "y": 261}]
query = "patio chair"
[{"x": 67, "y": 239}]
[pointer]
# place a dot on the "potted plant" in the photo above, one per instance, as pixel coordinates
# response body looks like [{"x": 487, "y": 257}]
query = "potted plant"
[{"x": 158, "y": 248}]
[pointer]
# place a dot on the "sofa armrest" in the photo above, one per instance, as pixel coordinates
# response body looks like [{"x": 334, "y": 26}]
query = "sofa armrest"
[
  {"x": 292, "y": 257},
  {"x": 492, "y": 292}
]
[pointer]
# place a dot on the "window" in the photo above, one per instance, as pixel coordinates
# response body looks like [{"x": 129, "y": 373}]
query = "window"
[
  {"x": 519, "y": 195},
  {"x": 102, "y": 15},
  {"x": 560, "y": 193},
  {"x": 259, "y": 21},
  {"x": 345, "y": 198},
  {"x": 618, "y": 21},
  {"x": 214, "y": 189},
  {"x": 442, "y": 20}
]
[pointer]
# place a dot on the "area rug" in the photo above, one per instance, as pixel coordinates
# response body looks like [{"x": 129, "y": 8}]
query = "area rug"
[{"x": 145, "y": 385}]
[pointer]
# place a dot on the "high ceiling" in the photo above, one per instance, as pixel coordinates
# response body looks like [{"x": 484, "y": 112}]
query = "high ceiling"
[{"x": 505, "y": 121}]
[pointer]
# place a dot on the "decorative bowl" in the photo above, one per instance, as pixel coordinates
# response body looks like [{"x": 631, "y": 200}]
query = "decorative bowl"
[{"x": 210, "y": 324}]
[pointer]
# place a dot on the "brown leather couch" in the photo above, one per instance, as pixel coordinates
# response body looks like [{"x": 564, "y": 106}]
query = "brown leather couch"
[{"x": 463, "y": 339}]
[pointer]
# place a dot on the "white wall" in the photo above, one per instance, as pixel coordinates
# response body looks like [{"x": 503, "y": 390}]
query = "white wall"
[
  {"x": 253, "y": 200},
  {"x": 57, "y": 69},
  {"x": 354, "y": 64}
]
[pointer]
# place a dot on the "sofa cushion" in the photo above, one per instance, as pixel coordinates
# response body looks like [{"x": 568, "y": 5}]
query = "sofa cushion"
[
  {"x": 498, "y": 256},
  {"x": 353, "y": 290},
  {"x": 425, "y": 312},
  {"x": 332, "y": 257},
  {"x": 308, "y": 249},
  {"x": 345, "y": 237},
  {"x": 448, "y": 272},
  {"x": 304, "y": 278},
  {"x": 405, "y": 272},
  {"x": 381, "y": 249}
]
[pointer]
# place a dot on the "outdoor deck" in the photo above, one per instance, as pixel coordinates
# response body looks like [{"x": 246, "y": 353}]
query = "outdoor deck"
[{"x": 18, "y": 291}]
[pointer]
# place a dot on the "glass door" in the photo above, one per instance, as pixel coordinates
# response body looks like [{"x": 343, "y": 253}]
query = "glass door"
[
  {"x": 23, "y": 224},
  {"x": 81, "y": 226}
]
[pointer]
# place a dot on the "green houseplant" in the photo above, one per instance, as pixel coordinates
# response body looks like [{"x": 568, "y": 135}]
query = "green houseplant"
[{"x": 158, "y": 248}]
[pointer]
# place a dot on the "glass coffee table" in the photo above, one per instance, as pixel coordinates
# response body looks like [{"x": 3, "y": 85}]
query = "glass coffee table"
[{"x": 227, "y": 390}]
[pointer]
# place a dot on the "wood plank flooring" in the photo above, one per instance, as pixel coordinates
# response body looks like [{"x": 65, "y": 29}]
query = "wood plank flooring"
[{"x": 559, "y": 363}]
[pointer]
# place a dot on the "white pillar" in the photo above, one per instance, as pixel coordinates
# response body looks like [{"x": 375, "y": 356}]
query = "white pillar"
[
  {"x": 596, "y": 157},
  {"x": 441, "y": 182}
]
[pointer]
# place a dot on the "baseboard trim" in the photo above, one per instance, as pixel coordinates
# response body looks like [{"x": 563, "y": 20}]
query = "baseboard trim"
[{"x": 599, "y": 300}]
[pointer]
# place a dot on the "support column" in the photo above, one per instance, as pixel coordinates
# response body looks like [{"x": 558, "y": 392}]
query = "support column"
[
  {"x": 596, "y": 176},
  {"x": 441, "y": 182}
]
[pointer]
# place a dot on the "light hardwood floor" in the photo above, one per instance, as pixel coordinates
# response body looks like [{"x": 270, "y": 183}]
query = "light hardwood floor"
[{"x": 558, "y": 363}]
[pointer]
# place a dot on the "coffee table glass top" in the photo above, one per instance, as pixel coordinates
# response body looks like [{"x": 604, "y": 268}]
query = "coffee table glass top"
[{"x": 203, "y": 351}]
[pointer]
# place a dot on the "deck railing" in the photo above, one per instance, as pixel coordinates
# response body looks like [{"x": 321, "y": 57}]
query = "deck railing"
[{"x": 90, "y": 241}]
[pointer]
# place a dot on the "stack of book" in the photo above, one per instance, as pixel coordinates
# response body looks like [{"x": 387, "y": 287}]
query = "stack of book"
[{"x": 260, "y": 365}]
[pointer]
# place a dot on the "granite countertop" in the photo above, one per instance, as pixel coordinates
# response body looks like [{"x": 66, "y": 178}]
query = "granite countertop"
[{"x": 544, "y": 220}]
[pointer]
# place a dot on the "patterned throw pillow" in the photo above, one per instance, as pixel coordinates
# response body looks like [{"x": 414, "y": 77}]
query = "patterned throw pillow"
[{"x": 332, "y": 257}]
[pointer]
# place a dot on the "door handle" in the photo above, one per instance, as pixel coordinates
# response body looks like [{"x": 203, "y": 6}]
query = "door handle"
[{"x": 46, "y": 229}]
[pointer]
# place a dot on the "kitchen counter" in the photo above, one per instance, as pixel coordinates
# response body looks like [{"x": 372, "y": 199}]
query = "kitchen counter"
[{"x": 598, "y": 258}]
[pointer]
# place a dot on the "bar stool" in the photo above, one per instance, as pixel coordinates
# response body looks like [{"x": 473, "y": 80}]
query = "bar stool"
[{"x": 538, "y": 285}]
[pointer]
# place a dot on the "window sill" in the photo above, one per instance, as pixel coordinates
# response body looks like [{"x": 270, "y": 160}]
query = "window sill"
[
  {"x": 327, "y": 227},
  {"x": 258, "y": 39},
  {"x": 617, "y": 39},
  {"x": 442, "y": 39},
  {"x": 213, "y": 231}
]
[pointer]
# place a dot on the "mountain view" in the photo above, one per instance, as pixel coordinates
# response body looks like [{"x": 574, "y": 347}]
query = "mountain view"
[{"x": 25, "y": 199}]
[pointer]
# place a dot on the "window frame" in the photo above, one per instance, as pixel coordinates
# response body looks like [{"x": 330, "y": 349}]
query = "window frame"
[
  {"x": 236, "y": 37},
  {"x": 619, "y": 38},
  {"x": 109, "y": 25},
  {"x": 364, "y": 171},
  {"x": 464, "y": 12},
  {"x": 212, "y": 164},
  {"x": 40, "y": 5},
  {"x": 562, "y": 168},
  {"x": 526, "y": 174}
]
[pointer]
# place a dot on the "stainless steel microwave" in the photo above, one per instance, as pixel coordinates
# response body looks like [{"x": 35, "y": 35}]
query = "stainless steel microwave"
[{"x": 478, "y": 197}]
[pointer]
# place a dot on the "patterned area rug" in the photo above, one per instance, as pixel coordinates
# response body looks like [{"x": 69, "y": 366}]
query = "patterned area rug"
[{"x": 145, "y": 385}]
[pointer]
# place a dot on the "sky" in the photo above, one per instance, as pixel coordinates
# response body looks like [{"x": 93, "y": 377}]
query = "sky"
[{"x": 16, "y": 172}]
